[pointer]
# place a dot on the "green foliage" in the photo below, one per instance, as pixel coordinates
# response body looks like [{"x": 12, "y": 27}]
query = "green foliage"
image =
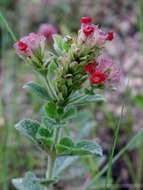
[
  {"x": 63, "y": 163},
  {"x": 58, "y": 44},
  {"x": 38, "y": 90},
  {"x": 51, "y": 110},
  {"x": 44, "y": 138},
  {"x": 86, "y": 99},
  {"x": 31, "y": 182},
  {"x": 69, "y": 113},
  {"x": 28, "y": 128},
  {"x": 52, "y": 68},
  {"x": 66, "y": 146}
]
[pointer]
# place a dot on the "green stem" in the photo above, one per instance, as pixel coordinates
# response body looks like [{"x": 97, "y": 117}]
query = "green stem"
[
  {"x": 52, "y": 157},
  {"x": 51, "y": 161},
  {"x": 50, "y": 89}
]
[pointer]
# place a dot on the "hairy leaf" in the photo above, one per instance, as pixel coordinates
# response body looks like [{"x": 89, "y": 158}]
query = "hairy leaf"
[
  {"x": 38, "y": 90},
  {"x": 28, "y": 128}
]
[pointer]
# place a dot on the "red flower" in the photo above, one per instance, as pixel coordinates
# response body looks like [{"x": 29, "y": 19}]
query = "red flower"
[
  {"x": 88, "y": 30},
  {"x": 90, "y": 68},
  {"x": 110, "y": 36},
  {"x": 22, "y": 46},
  {"x": 98, "y": 77},
  {"x": 86, "y": 20}
]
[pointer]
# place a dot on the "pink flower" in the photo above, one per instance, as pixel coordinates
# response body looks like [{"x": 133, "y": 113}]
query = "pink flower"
[
  {"x": 98, "y": 77},
  {"x": 28, "y": 45},
  {"x": 110, "y": 36},
  {"x": 99, "y": 37},
  {"x": 88, "y": 30},
  {"x": 47, "y": 30},
  {"x": 90, "y": 68},
  {"x": 112, "y": 71}
]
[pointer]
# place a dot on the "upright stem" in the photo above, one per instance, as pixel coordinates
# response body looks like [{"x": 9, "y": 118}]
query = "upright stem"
[
  {"x": 51, "y": 90},
  {"x": 52, "y": 156},
  {"x": 51, "y": 161}
]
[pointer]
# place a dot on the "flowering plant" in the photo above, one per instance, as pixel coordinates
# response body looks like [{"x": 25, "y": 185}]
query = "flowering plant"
[{"x": 73, "y": 74}]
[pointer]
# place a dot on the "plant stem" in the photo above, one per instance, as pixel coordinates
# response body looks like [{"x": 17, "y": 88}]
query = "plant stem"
[
  {"x": 51, "y": 161},
  {"x": 52, "y": 157},
  {"x": 50, "y": 88}
]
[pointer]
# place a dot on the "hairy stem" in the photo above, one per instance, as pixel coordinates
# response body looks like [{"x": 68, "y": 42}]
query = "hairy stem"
[
  {"x": 52, "y": 157},
  {"x": 50, "y": 88}
]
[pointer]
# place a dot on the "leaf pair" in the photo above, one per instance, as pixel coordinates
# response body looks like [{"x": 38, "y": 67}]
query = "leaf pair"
[
  {"x": 55, "y": 112},
  {"x": 66, "y": 146},
  {"x": 37, "y": 133}
]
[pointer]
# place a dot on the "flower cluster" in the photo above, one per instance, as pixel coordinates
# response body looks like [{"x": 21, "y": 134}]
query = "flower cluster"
[
  {"x": 91, "y": 33},
  {"x": 103, "y": 71},
  {"x": 76, "y": 59}
]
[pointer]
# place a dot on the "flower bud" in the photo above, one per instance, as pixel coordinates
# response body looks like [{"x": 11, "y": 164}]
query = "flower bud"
[
  {"x": 86, "y": 20},
  {"x": 47, "y": 30}
]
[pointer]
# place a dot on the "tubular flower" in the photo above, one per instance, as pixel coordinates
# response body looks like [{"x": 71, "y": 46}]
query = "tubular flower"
[
  {"x": 110, "y": 36},
  {"x": 86, "y": 20},
  {"x": 98, "y": 77},
  {"x": 112, "y": 71},
  {"x": 47, "y": 30},
  {"x": 90, "y": 68},
  {"x": 28, "y": 45},
  {"x": 88, "y": 30}
]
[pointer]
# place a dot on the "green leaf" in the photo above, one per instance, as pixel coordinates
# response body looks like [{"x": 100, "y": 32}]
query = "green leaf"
[
  {"x": 63, "y": 163},
  {"x": 29, "y": 182},
  {"x": 44, "y": 132},
  {"x": 90, "y": 147},
  {"x": 38, "y": 90},
  {"x": 67, "y": 142},
  {"x": 70, "y": 112},
  {"x": 86, "y": 99},
  {"x": 28, "y": 128},
  {"x": 58, "y": 43},
  {"x": 67, "y": 147},
  {"x": 45, "y": 143},
  {"x": 47, "y": 182},
  {"x": 52, "y": 67},
  {"x": 44, "y": 137},
  {"x": 63, "y": 150},
  {"x": 51, "y": 110}
]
